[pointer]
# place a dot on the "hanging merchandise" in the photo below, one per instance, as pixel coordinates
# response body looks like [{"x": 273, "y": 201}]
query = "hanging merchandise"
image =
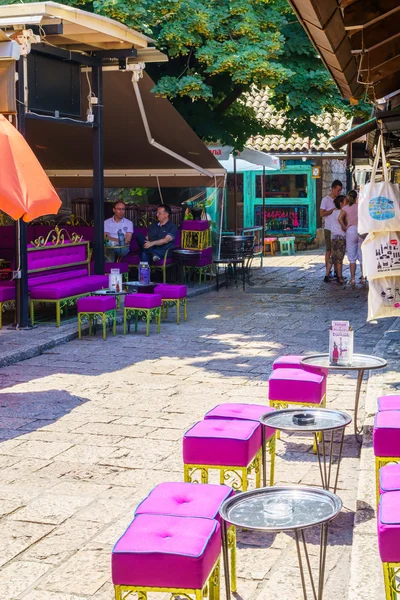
[
  {"x": 381, "y": 254},
  {"x": 379, "y": 202},
  {"x": 384, "y": 298}
]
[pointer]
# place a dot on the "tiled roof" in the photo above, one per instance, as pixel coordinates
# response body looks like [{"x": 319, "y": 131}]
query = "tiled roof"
[{"x": 334, "y": 124}]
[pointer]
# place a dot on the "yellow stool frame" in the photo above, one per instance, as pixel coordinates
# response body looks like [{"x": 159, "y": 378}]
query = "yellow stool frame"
[
  {"x": 146, "y": 314},
  {"x": 381, "y": 461},
  {"x": 226, "y": 471},
  {"x": 278, "y": 404},
  {"x": 178, "y": 302},
  {"x": 92, "y": 319},
  {"x": 273, "y": 247},
  {"x": 391, "y": 571},
  {"x": 210, "y": 590},
  {"x": 196, "y": 240}
]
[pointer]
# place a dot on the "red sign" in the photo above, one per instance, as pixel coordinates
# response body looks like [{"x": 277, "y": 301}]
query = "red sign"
[{"x": 393, "y": 242}]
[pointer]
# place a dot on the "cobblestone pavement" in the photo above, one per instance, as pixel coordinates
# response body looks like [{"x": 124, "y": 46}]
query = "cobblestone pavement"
[{"x": 90, "y": 427}]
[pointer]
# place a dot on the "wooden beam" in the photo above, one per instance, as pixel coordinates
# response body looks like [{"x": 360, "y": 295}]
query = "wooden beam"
[
  {"x": 387, "y": 86},
  {"x": 385, "y": 70},
  {"x": 382, "y": 54},
  {"x": 365, "y": 13},
  {"x": 374, "y": 35}
]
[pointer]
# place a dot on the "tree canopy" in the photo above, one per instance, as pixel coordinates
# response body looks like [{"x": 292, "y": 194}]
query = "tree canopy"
[{"x": 220, "y": 50}]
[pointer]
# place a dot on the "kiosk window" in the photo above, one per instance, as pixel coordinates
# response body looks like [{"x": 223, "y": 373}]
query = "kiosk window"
[{"x": 282, "y": 186}]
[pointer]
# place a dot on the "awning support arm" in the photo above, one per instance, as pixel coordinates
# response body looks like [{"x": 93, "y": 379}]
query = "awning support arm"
[{"x": 151, "y": 140}]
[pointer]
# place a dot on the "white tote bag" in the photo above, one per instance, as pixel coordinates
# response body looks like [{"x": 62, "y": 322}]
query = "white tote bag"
[
  {"x": 381, "y": 254},
  {"x": 379, "y": 203},
  {"x": 384, "y": 298}
]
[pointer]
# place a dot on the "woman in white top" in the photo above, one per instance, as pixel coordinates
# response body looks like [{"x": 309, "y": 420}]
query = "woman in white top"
[
  {"x": 338, "y": 239},
  {"x": 349, "y": 221}
]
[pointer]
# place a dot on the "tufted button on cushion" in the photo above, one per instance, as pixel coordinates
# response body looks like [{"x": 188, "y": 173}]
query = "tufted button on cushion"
[
  {"x": 96, "y": 304},
  {"x": 222, "y": 442},
  {"x": 389, "y": 478},
  {"x": 185, "y": 500},
  {"x": 296, "y": 385},
  {"x": 389, "y": 527},
  {"x": 389, "y": 402},
  {"x": 166, "y": 551},
  {"x": 386, "y": 435},
  {"x": 249, "y": 412},
  {"x": 142, "y": 301}
]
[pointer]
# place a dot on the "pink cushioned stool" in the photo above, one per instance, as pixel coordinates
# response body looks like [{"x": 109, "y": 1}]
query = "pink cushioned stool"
[
  {"x": 97, "y": 308},
  {"x": 143, "y": 306},
  {"x": 296, "y": 387},
  {"x": 388, "y": 403},
  {"x": 191, "y": 500},
  {"x": 172, "y": 295},
  {"x": 159, "y": 553},
  {"x": 389, "y": 541},
  {"x": 250, "y": 412},
  {"x": 389, "y": 478},
  {"x": 229, "y": 446},
  {"x": 386, "y": 440},
  {"x": 293, "y": 361}
]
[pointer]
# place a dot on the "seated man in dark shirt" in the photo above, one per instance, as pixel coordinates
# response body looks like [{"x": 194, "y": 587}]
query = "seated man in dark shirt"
[{"x": 161, "y": 237}]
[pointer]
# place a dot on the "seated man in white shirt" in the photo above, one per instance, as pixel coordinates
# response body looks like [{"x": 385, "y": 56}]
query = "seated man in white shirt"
[{"x": 118, "y": 232}]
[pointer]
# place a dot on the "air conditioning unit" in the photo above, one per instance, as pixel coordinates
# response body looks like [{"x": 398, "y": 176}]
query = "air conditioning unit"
[{"x": 9, "y": 51}]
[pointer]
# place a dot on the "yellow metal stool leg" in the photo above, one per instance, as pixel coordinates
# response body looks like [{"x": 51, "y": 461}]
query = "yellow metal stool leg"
[
  {"x": 272, "y": 452},
  {"x": 232, "y": 548},
  {"x": 245, "y": 481},
  {"x": 186, "y": 476},
  {"x": 114, "y": 324},
  {"x": 104, "y": 323},
  {"x": 258, "y": 469},
  {"x": 184, "y": 309},
  {"x": 79, "y": 327},
  {"x": 178, "y": 312}
]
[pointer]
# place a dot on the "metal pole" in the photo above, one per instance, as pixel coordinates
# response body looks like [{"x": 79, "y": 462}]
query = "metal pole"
[
  {"x": 263, "y": 214},
  {"x": 235, "y": 215},
  {"x": 358, "y": 430},
  {"x": 98, "y": 171},
  {"x": 21, "y": 228}
]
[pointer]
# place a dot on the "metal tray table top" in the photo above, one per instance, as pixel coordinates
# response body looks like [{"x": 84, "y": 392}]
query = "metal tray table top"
[
  {"x": 359, "y": 362},
  {"x": 324, "y": 419},
  {"x": 278, "y": 508}
]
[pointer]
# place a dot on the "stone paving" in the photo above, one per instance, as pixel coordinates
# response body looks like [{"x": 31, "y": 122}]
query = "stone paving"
[{"x": 88, "y": 428}]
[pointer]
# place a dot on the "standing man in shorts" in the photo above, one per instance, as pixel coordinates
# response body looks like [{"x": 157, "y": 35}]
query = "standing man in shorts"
[{"x": 326, "y": 209}]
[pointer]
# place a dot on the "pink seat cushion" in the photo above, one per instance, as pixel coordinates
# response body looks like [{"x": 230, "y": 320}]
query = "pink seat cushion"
[
  {"x": 7, "y": 292},
  {"x": 249, "y": 412},
  {"x": 389, "y": 478},
  {"x": 166, "y": 551},
  {"x": 69, "y": 287},
  {"x": 195, "y": 225},
  {"x": 389, "y": 527},
  {"x": 293, "y": 361},
  {"x": 296, "y": 385},
  {"x": 222, "y": 442},
  {"x": 389, "y": 403},
  {"x": 96, "y": 304},
  {"x": 171, "y": 292},
  {"x": 142, "y": 301},
  {"x": 387, "y": 433},
  {"x": 185, "y": 500}
]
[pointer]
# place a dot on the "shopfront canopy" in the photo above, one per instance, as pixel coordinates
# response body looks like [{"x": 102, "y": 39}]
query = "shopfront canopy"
[{"x": 130, "y": 160}]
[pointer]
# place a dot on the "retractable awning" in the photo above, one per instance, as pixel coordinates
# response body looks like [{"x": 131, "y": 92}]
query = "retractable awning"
[{"x": 129, "y": 160}]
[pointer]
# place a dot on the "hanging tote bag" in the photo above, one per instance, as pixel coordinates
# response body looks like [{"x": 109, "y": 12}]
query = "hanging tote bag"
[
  {"x": 384, "y": 298},
  {"x": 381, "y": 254},
  {"x": 379, "y": 202}
]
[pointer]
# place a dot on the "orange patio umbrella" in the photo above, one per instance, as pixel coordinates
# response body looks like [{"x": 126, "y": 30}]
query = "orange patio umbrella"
[{"x": 25, "y": 190}]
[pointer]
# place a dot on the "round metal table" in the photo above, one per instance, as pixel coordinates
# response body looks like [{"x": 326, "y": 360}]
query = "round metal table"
[
  {"x": 314, "y": 420},
  {"x": 137, "y": 286},
  {"x": 112, "y": 293},
  {"x": 360, "y": 363},
  {"x": 277, "y": 509},
  {"x": 184, "y": 259}
]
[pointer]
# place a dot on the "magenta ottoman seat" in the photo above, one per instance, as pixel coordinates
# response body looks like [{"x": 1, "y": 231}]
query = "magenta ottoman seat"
[
  {"x": 68, "y": 287},
  {"x": 389, "y": 403},
  {"x": 166, "y": 552},
  {"x": 142, "y": 301},
  {"x": 185, "y": 500},
  {"x": 389, "y": 527},
  {"x": 386, "y": 435},
  {"x": 296, "y": 385},
  {"x": 96, "y": 304},
  {"x": 293, "y": 361},
  {"x": 171, "y": 292},
  {"x": 222, "y": 442},
  {"x": 389, "y": 478},
  {"x": 248, "y": 412}
]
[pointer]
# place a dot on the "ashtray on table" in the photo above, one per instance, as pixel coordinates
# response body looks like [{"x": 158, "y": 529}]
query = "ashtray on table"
[
  {"x": 278, "y": 509},
  {"x": 303, "y": 419}
]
